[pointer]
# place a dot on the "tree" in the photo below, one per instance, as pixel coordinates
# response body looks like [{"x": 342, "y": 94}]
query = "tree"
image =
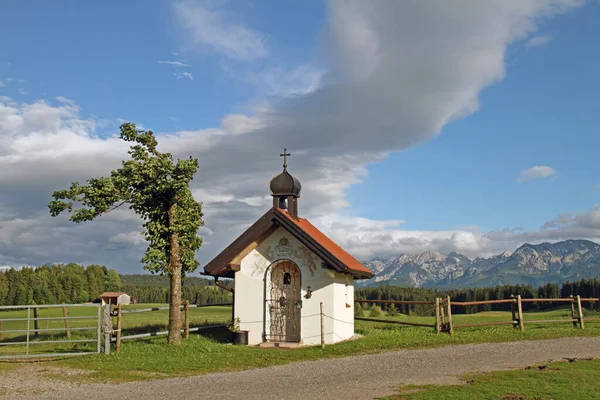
[
  {"x": 375, "y": 311},
  {"x": 392, "y": 311},
  {"x": 112, "y": 281},
  {"x": 157, "y": 189},
  {"x": 358, "y": 310},
  {"x": 95, "y": 276},
  {"x": 3, "y": 288}
]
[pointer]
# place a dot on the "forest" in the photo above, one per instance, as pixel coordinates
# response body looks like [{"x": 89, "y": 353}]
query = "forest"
[
  {"x": 584, "y": 288},
  {"x": 73, "y": 283}
]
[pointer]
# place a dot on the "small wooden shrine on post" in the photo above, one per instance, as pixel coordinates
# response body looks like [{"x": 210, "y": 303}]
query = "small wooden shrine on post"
[{"x": 291, "y": 282}]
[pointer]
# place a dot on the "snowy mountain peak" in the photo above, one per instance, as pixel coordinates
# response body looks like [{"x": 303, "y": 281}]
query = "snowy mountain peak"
[{"x": 545, "y": 262}]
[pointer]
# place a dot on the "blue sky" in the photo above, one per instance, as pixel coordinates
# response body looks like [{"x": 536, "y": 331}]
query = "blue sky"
[
  {"x": 376, "y": 102},
  {"x": 545, "y": 112},
  {"x": 106, "y": 57}
]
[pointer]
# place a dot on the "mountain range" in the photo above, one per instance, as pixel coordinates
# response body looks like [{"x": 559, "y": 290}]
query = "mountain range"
[{"x": 536, "y": 265}]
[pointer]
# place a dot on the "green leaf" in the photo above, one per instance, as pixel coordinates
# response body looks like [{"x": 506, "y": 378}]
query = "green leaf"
[{"x": 152, "y": 185}]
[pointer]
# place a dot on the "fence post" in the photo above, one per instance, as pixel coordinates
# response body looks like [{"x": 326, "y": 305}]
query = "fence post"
[
  {"x": 520, "y": 310},
  {"x": 438, "y": 328},
  {"x": 450, "y": 327},
  {"x": 186, "y": 326},
  {"x": 118, "y": 346},
  {"x": 573, "y": 314},
  {"x": 443, "y": 315},
  {"x": 322, "y": 327},
  {"x": 28, "y": 323},
  {"x": 513, "y": 310},
  {"x": 35, "y": 322},
  {"x": 107, "y": 329},
  {"x": 580, "y": 311},
  {"x": 64, "y": 310},
  {"x": 99, "y": 328}
]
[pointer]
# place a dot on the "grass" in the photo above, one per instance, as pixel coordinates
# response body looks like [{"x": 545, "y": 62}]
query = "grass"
[
  {"x": 560, "y": 380},
  {"x": 131, "y": 324},
  {"x": 36, "y": 346},
  {"x": 6, "y": 367},
  {"x": 197, "y": 316},
  {"x": 151, "y": 358}
]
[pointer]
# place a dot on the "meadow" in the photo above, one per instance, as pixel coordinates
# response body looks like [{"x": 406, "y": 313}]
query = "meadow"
[
  {"x": 152, "y": 358},
  {"x": 131, "y": 324},
  {"x": 558, "y": 380}
]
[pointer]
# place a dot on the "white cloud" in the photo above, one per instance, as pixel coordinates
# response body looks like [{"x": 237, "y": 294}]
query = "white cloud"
[
  {"x": 22, "y": 91},
  {"x": 206, "y": 25},
  {"x": 357, "y": 38},
  {"x": 65, "y": 100},
  {"x": 537, "y": 41},
  {"x": 2, "y": 84},
  {"x": 366, "y": 238},
  {"x": 536, "y": 172},
  {"x": 130, "y": 238},
  {"x": 428, "y": 65},
  {"x": 280, "y": 81},
  {"x": 178, "y": 64},
  {"x": 217, "y": 30}
]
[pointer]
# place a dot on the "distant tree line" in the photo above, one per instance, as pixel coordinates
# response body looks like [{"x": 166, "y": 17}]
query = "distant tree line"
[
  {"x": 73, "y": 283},
  {"x": 155, "y": 289},
  {"x": 583, "y": 288},
  {"x": 52, "y": 284}
]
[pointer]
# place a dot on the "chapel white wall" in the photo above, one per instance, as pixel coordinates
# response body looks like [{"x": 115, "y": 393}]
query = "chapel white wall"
[{"x": 333, "y": 289}]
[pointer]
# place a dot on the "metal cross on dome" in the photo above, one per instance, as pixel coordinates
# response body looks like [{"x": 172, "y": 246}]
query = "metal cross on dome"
[{"x": 285, "y": 155}]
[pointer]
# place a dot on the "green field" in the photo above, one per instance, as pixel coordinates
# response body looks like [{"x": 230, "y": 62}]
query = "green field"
[
  {"x": 151, "y": 358},
  {"x": 131, "y": 324},
  {"x": 560, "y": 380},
  {"x": 494, "y": 316},
  {"x": 198, "y": 316}
]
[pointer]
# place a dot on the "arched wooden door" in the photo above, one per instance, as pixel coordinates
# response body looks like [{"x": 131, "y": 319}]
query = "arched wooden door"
[{"x": 284, "y": 302}]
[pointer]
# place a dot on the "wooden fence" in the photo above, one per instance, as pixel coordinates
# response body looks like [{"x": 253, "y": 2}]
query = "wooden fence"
[
  {"x": 185, "y": 323},
  {"x": 443, "y": 312},
  {"x": 395, "y": 302}
]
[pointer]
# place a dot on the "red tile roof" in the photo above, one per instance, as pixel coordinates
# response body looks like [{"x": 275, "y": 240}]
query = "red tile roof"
[{"x": 335, "y": 250}]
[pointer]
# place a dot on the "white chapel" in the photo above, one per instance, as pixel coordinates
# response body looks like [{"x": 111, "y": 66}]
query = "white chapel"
[{"x": 283, "y": 269}]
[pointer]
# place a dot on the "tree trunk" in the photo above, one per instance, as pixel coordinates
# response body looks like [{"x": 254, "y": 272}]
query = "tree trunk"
[{"x": 175, "y": 273}]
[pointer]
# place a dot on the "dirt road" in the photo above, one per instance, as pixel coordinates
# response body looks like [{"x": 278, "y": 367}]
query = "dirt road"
[{"x": 357, "y": 377}]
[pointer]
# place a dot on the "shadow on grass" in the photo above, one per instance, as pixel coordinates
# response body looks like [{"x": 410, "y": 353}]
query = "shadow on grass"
[
  {"x": 43, "y": 337},
  {"x": 219, "y": 333}
]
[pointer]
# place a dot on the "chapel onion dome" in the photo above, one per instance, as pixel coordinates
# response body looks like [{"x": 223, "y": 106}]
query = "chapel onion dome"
[{"x": 285, "y": 184}]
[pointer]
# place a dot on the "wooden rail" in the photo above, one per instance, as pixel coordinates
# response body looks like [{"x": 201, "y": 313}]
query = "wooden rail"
[
  {"x": 483, "y": 302},
  {"x": 395, "y": 302},
  {"x": 387, "y": 321},
  {"x": 138, "y": 310}
]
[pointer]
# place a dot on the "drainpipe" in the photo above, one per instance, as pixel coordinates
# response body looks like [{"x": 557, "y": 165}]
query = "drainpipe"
[{"x": 222, "y": 286}]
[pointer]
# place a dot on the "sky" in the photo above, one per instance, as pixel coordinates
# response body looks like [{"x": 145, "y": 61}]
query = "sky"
[{"x": 414, "y": 126}]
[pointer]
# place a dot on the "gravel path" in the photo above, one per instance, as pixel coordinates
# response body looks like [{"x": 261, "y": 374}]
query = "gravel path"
[{"x": 356, "y": 377}]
